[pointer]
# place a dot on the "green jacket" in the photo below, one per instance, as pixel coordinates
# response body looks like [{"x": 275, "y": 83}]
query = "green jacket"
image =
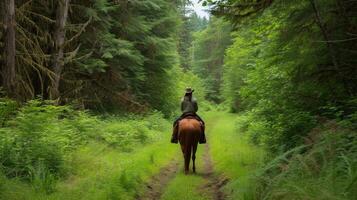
[{"x": 188, "y": 106}]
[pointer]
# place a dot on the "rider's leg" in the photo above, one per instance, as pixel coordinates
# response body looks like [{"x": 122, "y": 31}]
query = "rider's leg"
[
  {"x": 203, "y": 135},
  {"x": 174, "y": 138},
  {"x": 200, "y": 119}
]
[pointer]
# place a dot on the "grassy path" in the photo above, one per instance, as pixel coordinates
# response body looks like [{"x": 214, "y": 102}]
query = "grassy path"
[
  {"x": 234, "y": 158},
  {"x": 204, "y": 185},
  {"x": 227, "y": 156},
  {"x": 101, "y": 172},
  {"x": 154, "y": 170}
]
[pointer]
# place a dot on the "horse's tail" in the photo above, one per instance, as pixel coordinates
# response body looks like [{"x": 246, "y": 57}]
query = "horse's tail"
[{"x": 187, "y": 154}]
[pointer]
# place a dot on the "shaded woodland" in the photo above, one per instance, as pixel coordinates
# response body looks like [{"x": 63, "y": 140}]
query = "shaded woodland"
[{"x": 82, "y": 75}]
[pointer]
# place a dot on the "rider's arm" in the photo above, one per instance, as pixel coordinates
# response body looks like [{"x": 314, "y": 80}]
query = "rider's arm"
[
  {"x": 182, "y": 106},
  {"x": 195, "y": 105}
]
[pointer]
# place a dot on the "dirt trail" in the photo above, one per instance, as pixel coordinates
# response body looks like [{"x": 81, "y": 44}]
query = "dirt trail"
[
  {"x": 214, "y": 183},
  {"x": 156, "y": 185}
]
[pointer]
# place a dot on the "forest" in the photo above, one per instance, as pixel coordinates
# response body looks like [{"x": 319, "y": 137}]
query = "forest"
[{"x": 89, "y": 90}]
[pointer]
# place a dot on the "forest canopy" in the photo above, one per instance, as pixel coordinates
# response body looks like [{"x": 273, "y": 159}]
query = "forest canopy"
[{"x": 99, "y": 54}]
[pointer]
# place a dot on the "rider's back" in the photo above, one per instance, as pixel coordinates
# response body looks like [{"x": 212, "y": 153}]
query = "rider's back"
[{"x": 189, "y": 105}]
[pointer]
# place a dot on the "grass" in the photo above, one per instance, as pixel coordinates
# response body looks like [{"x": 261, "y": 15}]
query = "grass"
[
  {"x": 106, "y": 167},
  {"x": 101, "y": 173},
  {"x": 233, "y": 156},
  {"x": 325, "y": 170},
  {"x": 107, "y": 158},
  {"x": 188, "y": 186},
  {"x": 115, "y": 175}
]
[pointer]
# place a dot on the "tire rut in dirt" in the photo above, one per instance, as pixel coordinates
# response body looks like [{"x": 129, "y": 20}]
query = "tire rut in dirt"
[
  {"x": 157, "y": 184},
  {"x": 214, "y": 182}
]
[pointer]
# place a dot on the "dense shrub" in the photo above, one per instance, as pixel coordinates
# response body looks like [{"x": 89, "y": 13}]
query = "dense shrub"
[
  {"x": 38, "y": 141},
  {"x": 40, "y": 137},
  {"x": 278, "y": 132},
  {"x": 7, "y": 109},
  {"x": 125, "y": 133},
  {"x": 325, "y": 167}
]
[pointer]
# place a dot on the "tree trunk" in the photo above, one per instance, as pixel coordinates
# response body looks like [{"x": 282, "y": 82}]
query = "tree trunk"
[
  {"x": 325, "y": 34},
  {"x": 330, "y": 46},
  {"x": 9, "y": 73},
  {"x": 59, "y": 37}
]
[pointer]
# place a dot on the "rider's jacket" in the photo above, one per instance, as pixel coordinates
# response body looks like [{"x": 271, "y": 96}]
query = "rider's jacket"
[{"x": 189, "y": 106}]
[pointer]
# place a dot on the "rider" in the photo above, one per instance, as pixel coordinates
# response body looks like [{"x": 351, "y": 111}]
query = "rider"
[{"x": 189, "y": 108}]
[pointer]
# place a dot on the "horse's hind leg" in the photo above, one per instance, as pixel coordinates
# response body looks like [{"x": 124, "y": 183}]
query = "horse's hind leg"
[{"x": 194, "y": 149}]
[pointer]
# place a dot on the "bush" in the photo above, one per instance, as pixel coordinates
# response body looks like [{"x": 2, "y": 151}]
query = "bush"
[
  {"x": 127, "y": 133},
  {"x": 276, "y": 131},
  {"x": 7, "y": 110},
  {"x": 37, "y": 143},
  {"x": 325, "y": 169},
  {"x": 40, "y": 137}
]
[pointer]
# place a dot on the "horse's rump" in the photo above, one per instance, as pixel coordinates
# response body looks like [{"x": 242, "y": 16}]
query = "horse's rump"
[
  {"x": 189, "y": 126},
  {"x": 189, "y": 130}
]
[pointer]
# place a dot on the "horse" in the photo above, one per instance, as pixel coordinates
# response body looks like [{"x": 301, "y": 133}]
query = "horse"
[{"x": 189, "y": 130}]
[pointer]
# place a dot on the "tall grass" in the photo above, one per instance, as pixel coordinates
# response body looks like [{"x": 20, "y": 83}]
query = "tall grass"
[
  {"x": 324, "y": 167},
  {"x": 234, "y": 157},
  {"x": 56, "y": 152}
]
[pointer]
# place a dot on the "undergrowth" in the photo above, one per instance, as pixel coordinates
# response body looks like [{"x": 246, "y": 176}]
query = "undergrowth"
[
  {"x": 325, "y": 169},
  {"x": 323, "y": 166},
  {"x": 42, "y": 146}
]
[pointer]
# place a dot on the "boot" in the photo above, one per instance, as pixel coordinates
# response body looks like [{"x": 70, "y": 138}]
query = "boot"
[
  {"x": 174, "y": 138},
  {"x": 203, "y": 135}
]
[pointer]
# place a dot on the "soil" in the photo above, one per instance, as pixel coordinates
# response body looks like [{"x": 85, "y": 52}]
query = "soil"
[
  {"x": 214, "y": 182},
  {"x": 156, "y": 185}
]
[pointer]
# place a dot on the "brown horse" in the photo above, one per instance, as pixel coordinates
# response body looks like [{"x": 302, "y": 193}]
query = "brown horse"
[{"x": 189, "y": 130}]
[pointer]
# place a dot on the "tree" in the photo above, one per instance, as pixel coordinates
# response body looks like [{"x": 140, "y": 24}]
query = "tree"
[
  {"x": 9, "y": 69},
  {"x": 190, "y": 24},
  {"x": 291, "y": 64},
  {"x": 208, "y": 50},
  {"x": 59, "y": 40}
]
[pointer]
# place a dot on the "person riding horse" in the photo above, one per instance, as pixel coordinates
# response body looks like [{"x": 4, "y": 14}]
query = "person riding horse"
[{"x": 189, "y": 108}]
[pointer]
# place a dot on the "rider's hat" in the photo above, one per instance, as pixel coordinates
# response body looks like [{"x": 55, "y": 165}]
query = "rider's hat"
[{"x": 189, "y": 90}]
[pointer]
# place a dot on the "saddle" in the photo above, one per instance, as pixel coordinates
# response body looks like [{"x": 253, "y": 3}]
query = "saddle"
[
  {"x": 191, "y": 116},
  {"x": 174, "y": 138}
]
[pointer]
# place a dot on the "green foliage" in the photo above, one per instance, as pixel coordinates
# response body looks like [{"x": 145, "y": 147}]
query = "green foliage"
[
  {"x": 183, "y": 80},
  {"x": 235, "y": 158},
  {"x": 39, "y": 138},
  {"x": 117, "y": 54},
  {"x": 40, "y": 142},
  {"x": 7, "y": 109},
  {"x": 131, "y": 48},
  {"x": 236, "y": 10},
  {"x": 290, "y": 69},
  {"x": 207, "y": 54},
  {"x": 278, "y": 134},
  {"x": 325, "y": 170},
  {"x": 275, "y": 69},
  {"x": 190, "y": 24},
  {"x": 125, "y": 134}
]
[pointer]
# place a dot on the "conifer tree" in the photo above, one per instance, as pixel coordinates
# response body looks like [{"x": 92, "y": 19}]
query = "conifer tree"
[{"x": 9, "y": 68}]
